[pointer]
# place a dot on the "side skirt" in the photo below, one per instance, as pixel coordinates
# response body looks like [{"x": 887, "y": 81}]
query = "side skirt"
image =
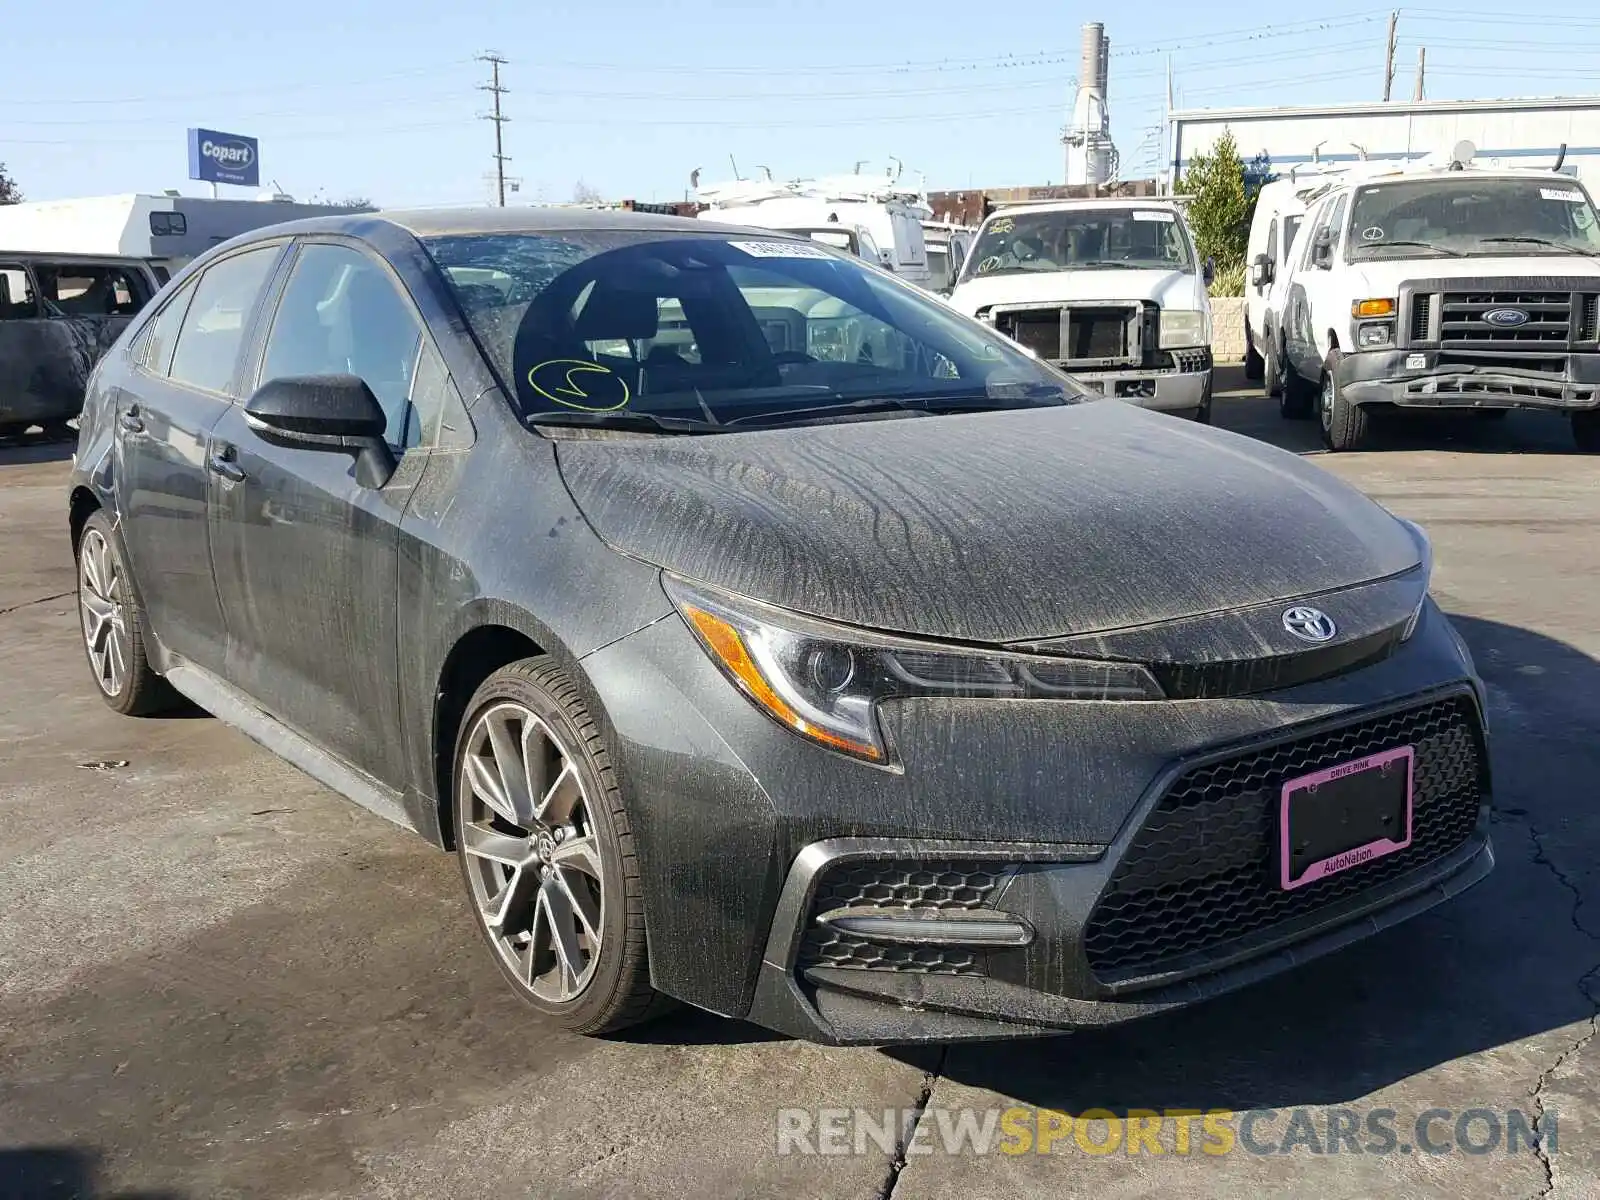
[{"x": 232, "y": 707}]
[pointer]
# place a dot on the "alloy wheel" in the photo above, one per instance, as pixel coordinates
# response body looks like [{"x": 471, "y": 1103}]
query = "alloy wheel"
[
  {"x": 534, "y": 862},
  {"x": 102, "y": 606}
]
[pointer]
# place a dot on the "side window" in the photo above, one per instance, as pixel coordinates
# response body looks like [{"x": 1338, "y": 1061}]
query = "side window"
[
  {"x": 155, "y": 343},
  {"x": 17, "y": 301},
  {"x": 342, "y": 315},
  {"x": 214, "y": 327},
  {"x": 1315, "y": 223},
  {"x": 1336, "y": 223},
  {"x": 93, "y": 289},
  {"x": 1272, "y": 240}
]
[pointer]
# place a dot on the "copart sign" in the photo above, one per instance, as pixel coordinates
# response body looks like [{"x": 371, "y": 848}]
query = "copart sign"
[{"x": 216, "y": 157}]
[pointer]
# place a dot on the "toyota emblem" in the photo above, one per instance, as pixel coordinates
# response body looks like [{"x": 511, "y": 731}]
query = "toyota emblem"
[{"x": 1309, "y": 624}]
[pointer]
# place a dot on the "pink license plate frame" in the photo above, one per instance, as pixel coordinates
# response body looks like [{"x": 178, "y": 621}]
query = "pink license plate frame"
[{"x": 1357, "y": 855}]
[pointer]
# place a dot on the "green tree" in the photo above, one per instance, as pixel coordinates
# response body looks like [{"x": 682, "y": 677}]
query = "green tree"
[
  {"x": 1219, "y": 213},
  {"x": 10, "y": 193}
]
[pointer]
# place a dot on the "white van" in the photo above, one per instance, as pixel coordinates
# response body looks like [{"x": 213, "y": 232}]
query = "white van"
[
  {"x": 947, "y": 245},
  {"x": 1444, "y": 288},
  {"x": 1280, "y": 210},
  {"x": 1110, "y": 291}
]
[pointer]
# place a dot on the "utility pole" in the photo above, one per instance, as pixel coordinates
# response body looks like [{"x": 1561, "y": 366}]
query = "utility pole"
[
  {"x": 499, "y": 118},
  {"x": 1422, "y": 70},
  {"x": 1388, "y": 60}
]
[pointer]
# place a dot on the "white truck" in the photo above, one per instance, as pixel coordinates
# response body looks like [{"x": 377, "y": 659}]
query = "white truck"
[
  {"x": 875, "y": 219},
  {"x": 1444, "y": 287},
  {"x": 947, "y": 245},
  {"x": 1110, "y": 291}
]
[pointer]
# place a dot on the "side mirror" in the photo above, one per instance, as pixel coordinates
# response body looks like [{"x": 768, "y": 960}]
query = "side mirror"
[
  {"x": 1322, "y": 249},
  {"x": 325, "y": 412},
  {"x": 1209, "y": 271},
  {"x": 1261, "y": 271}
]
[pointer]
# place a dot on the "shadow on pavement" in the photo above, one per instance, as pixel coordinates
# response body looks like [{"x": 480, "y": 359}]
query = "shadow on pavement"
[
  {"x": 1503, "y": 962},
  {"x": 59, "y": 1173}
]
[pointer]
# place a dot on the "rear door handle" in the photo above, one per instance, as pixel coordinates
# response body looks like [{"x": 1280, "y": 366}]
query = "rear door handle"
[
  {"x": 222, "y": 462},
  {"x": 131, "y": 421}
]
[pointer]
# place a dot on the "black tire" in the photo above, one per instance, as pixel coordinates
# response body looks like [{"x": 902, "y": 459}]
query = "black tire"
[
  {"x": 1296, "y": 397},
  {"x": 1270, "y": 370},
  {"x": 1255, "y": 367},
  {"x": 617, "y": 993},
  {"x": 1203, "y": 413},
  {"x": 139, "y": 692},
  {"x": 1345, "y": 426},
  {"x": 1586, "y": 431}
]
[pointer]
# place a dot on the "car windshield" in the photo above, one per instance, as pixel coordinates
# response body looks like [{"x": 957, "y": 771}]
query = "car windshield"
[
  {"x": 684, "y": 332},
  {"x": 1463, "y": 215},
  {"x": 1079, "y": 239}
]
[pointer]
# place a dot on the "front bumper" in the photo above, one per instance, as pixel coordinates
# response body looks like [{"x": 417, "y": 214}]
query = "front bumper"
[
  {"x": 1427, "y": 379},
  {"x": 1078, "y": 819},
  {"x": 1168, "y": 390}
]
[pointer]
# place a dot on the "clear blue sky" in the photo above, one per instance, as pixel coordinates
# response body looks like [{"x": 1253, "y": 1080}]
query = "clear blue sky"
[{"x": 378, "y": 99}]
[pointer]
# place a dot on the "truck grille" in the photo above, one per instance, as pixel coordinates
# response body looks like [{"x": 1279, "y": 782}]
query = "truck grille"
[
  {"x": 899, "y": 883},
  {"x": 1039, "y": 329},
  {"x": 1201, "y": 873},
  {"x": 1086, "y": 337},
  {"x": 1549, "y": 325},
  {"x": 1589, "y": 320}
]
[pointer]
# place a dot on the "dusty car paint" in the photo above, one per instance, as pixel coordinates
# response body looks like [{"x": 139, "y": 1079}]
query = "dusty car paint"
[{"x": 342, "y": 625}]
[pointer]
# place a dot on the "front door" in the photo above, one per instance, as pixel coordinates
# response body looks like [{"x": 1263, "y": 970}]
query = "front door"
[
  {"x": 307, "y": 559},
  {"x": 186, "y": 365}
]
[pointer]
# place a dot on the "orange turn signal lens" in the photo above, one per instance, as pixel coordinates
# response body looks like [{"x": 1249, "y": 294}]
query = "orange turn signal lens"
[
  {"x": 728, "y": 645},
  {"x": 1373, "y": 308}
]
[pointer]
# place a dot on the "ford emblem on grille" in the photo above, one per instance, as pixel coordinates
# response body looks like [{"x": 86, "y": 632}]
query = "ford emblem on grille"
[
  {"x": 1506, "y": 318},
  {"x": 1309, "y": 624}
]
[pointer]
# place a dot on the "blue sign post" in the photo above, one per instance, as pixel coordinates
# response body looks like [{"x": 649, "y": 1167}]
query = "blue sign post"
[{"x": 224, "y": 158}]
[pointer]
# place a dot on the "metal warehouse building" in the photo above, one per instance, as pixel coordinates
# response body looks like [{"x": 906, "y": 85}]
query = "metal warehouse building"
[{"x": 1511, "y": 133}]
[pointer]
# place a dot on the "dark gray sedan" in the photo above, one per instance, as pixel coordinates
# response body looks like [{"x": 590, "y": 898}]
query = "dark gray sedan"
[{"x": 763, "y": 634}]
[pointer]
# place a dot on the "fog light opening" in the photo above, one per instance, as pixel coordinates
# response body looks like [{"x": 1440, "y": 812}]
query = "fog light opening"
[{"x": 934, "y": 927}]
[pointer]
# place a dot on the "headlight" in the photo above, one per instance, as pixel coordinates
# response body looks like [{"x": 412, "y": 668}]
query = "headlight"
[
  {"x": 1182, "y": 327},
  {"x": 1372, "y": 334},
  {"x": 1426, "y": 547},
  {"x": 825, "y": 681}
]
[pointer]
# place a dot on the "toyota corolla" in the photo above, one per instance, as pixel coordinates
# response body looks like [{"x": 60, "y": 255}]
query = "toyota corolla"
[{"x": 763, "y": 634}]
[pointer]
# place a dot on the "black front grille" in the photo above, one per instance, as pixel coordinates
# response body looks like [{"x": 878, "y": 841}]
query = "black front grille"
[
  {"x": 1589, "y": 319},
  {"x": 1548, "y": 326},
  {"x": 1203, "y": 873},
  {"x": 1421, "y": 316},
  {"x": 919, "y": 884},
  {"x": 1039, "y": 329},
  {"x": 1095, "y": 333}
]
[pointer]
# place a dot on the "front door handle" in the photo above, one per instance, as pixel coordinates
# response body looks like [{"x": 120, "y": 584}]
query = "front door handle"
[
  {"x": 131, "y": 421},
  {"x": 223, "y": 462}
]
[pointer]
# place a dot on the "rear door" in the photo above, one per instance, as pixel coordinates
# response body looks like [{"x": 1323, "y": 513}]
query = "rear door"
[
  {"x": 307, "y": 559},
  {"x": 186, "y": 366}
]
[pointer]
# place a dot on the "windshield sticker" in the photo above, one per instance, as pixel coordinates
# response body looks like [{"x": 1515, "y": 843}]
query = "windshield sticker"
[
  {"x": 1558, "y": 194},
  {"x": 988, "y": 264},
  {"x": 1150, "y": 214},
  {"x": 1003, "y": 225},
  {"x": 580, "y": 384},
  {"x": 1372, "y": 234},
  {"x": 783, "y": 250}
]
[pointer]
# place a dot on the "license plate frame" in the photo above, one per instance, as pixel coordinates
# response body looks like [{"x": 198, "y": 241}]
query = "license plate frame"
[{"x": 1334, "y": 786}]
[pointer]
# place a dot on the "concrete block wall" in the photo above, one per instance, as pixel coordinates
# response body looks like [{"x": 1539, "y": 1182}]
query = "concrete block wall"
[{"x": 1227, "y": 329}]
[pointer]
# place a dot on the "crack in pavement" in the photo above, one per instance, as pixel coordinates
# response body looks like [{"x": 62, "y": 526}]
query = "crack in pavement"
[
  {"x": 40, "y": 600},
  {"x": 1585, "y": 987},
  {"x": 909, "y": 1131}
]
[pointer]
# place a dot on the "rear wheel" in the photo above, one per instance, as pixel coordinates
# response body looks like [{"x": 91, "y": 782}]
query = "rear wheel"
[
  {"x": 1296, "y": 397},
  {"x": 1586, "y": 431},
  {"x": 1345, "y": 426},
  {"x": 113, "y": 625},
  {"x": 547, "y": 851}
]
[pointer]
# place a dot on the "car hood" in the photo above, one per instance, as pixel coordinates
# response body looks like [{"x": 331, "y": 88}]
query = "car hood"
[
  {"x": 990, "y": 527},
  {"x": 1383, "y": 278},
  {"x": 1169, "y": 289}
]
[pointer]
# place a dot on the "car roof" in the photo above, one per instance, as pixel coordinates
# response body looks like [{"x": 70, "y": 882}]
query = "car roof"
[
  {"x": 70, "y": 259},
  {"x": 439, "y": 222},
  {"x": 1025, "y": 206}
]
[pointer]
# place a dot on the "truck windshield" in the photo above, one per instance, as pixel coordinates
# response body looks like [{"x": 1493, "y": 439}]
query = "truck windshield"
[
  {"x": 1459, "y": 215},
  {"x": 1080, "y": 239}
]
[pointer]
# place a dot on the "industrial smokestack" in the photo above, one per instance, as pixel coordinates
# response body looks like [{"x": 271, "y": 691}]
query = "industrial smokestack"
[
  {"x": 1089, "y": 60},
  {"x": 1105, "y": 64}
]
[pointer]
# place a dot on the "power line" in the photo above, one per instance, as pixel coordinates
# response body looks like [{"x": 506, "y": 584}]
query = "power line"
[{"x": 499, "y": 118}]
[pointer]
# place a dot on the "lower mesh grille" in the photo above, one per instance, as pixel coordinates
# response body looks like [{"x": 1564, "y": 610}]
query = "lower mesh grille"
[
  {"x": 1202, "y": 871},
  {"x": 901, "y": 883}
]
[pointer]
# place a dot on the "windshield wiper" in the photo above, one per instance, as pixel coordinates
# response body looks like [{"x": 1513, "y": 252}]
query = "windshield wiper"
[
  {"x": 1539, "y": 241},
  {"x": 626, "y": 419},
  {"x": 923, "y": 406},
  {"x": 1406, "y": 242}
]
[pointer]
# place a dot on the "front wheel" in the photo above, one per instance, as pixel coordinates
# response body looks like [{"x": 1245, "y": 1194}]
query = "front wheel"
[
  {"x": 1586, "y": 431},
  {"x": 113, "y": 625},
  {"x": 1345, "y": 426},
  {"x": 547, "y": 851},
  {"x": 1255, "y": 367}
]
